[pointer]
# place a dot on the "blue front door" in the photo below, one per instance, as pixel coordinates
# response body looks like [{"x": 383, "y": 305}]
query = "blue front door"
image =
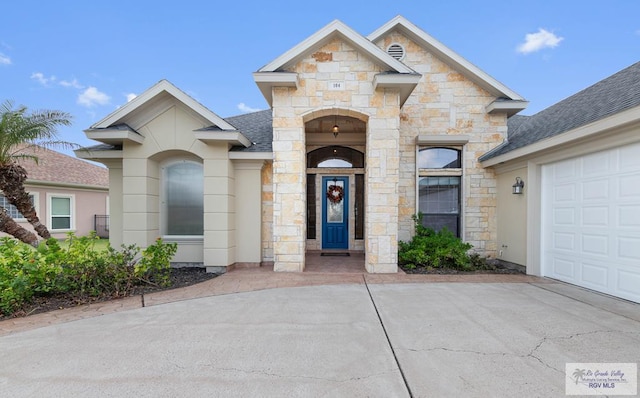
[{"x": 335, "y": 212}]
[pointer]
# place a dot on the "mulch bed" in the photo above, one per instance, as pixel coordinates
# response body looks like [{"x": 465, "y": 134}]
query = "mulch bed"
[
  {"x": 180, "y": 277},
  {"x": 494, "y": 269}
]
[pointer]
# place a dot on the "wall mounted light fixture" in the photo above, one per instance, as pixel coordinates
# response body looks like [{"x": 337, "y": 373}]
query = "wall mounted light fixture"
[
  {"x": 518, "y": 186},
  {"x": 335, "y": 129}
]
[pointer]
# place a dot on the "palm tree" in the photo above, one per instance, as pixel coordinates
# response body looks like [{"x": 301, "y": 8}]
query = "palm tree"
[
  {"x": 579, "y": 374},
  {"x": 20, "y": 131}
]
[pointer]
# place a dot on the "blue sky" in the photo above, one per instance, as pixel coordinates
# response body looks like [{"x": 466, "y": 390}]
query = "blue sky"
[{"x": 87, "y": 57}]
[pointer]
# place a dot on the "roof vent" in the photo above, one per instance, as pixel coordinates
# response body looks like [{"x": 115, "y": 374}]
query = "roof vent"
[{"x": 396, "y": 51}]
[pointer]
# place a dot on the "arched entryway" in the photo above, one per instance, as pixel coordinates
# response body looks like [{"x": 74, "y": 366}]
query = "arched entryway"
[{"x": 335, "y": 165}]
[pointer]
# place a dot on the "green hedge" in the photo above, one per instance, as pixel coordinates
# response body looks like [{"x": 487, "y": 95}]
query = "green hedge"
[{"x": 78, "y": 269}]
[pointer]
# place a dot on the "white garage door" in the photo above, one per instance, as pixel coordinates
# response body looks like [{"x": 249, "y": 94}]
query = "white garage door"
[{"x": 591, "y": 221}]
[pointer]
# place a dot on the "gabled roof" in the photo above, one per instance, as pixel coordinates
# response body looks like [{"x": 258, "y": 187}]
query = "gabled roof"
[
  {"x": 448, "y": 56},
  {"x": 327, "y": 33},
  {"x": 57, "y": 168},
  {"x": 275, "y": 74},
  {"x": 115, "y": 118},
  {"x": 257, "y": 127},
  {"x": 608, "y": 97}
]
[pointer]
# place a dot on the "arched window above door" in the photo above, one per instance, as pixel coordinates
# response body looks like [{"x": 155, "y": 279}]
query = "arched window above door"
[{"x": 335, "y": 157}]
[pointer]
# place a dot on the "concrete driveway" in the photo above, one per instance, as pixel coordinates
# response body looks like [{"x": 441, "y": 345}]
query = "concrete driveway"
[{"x": 355, "y": 340}]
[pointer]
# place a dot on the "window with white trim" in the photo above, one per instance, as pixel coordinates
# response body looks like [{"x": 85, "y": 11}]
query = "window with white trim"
[
  {"x": 12, "y": 211},
  {"x": 183, "y": 199},
  {"x": 439, "y": 187},
  {"x": 61, "y": 212}
]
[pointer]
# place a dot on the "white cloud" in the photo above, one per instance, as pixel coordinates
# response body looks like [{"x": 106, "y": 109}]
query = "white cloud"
[
  {"x": 4, "y": 59},
  {"x": 130, "y": 96},
  {"x": 73, "y": 83},
  {"x": 92, "y": 97},
  {"x": 42, "y": 79},
  {"x": 537, "y": 41},
  {"x": 245, "y": 108}
]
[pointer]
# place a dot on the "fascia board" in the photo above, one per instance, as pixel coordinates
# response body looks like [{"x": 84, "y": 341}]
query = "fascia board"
[
  {"x": 508, "y": 107},
  {"x": 447, "y": 55},
  {"x": 96, "y": 155},
  {"x": 231, "y": 137},
  {"x": 404, "y": 82},
  {"x": 112, "y": 137},
  {"x": 266, "y": 81},
  {"x": 238, "y": 155}
]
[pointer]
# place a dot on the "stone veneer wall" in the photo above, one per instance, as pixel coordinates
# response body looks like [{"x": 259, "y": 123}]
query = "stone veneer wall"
[
  {"x": 335, "y": 61},
  {"x": 267, "y": 213},
  {"x": 445, "y": 102}
]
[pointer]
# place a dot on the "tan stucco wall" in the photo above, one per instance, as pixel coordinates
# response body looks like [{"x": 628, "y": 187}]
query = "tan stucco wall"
[
  {"x": 512, "y": 218},
  {"x": 446, "y": 103},
  {"x": 170, "y": 136},
  {"x": 248, "y": 198}
]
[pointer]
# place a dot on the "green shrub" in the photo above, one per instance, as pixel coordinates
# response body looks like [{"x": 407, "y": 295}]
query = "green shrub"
[
  {"x": 78, "y": 269},
  {"x": 428, "y": 248}
]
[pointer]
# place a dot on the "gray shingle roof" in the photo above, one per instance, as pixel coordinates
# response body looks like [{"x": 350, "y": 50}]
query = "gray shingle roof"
[
  {"x": 257, "y": 127},
  {"x": 612, "y": 95}
]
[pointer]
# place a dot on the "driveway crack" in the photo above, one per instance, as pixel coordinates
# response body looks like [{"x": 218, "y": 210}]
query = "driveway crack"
[{"x": 384, "y": 329}]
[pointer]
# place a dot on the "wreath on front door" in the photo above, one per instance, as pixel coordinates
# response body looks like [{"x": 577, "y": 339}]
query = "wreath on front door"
[{"x": 335, "y": 194}]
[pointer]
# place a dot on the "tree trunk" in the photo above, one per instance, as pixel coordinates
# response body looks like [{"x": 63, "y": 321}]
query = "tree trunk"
[
  {"x": 8, "y": 225},
  {"x": 12, "y": 179}
]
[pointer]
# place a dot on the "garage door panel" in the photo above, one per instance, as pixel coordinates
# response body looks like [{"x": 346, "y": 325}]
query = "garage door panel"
[
  {"x": 629, "y": 248},
  {"x": 595, "y": 190},
  {"x": 564, "y": 267},
  {"x": 596, "y": 244},
  {"x": 564, "y": 216},
  {"x": 627, "y": 283},
  {"x": 564, "y": 241},
  {"x": 591, "y": 221},
  {"x": 595, "y": 216},
  {"x": 629, "y": 158},
  {"x": 629, "y": 216},
  {"x": 565, "y": 193},
  {"x": 595, "y": 276}
]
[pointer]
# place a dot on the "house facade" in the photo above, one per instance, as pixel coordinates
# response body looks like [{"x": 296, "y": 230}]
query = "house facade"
[
  {"x": 411, "y": 118},
  {"x": 67, "y": 193}
]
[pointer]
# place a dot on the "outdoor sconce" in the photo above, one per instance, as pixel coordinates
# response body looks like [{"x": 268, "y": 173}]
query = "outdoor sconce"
[
  {"x": 518, "y": 186},
  {"x": 335, "y": 130}
]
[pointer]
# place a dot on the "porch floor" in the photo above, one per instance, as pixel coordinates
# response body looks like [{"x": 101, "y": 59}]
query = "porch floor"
[{"x": 335, "y": 262}]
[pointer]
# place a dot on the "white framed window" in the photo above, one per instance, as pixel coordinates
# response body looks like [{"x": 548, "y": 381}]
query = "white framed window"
[
  {"x": 182, "y": 198},
  {"x": 61, "y": 212},
  {"x": 13, "y": 212},
  {"x": 440, "y": 187}
]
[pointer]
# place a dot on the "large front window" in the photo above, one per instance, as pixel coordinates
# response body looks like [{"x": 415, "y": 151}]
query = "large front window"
[
  {"x": 439, "y": 182},
  {"x": 183, "y": 201}
]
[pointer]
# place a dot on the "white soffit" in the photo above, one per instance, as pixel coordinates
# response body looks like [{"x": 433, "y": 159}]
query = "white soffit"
[
  {"x": 447, "y": 55},
  {"x": 157, "y": 89}
]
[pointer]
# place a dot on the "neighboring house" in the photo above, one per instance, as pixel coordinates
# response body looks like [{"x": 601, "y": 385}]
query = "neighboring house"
[
  {"x": 579, "y": 217},
  {"x": 363, "y": 132},
  {"x": 67, "y": 192}
]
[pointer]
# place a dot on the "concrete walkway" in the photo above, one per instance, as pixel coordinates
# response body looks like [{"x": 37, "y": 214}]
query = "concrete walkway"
[{"x": 319, "y": 334}]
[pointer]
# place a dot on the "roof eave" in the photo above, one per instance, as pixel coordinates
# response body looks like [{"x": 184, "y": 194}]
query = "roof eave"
[
  {"x": 508, "y": 107},
  {"x": 266, "y": 81},
  {"x": 326, "y": 33},
  {"x": 405, "y": 83},
  {"x": 232, "y": 137},
  {"x": 88, "y": 154},
  {"x": 162, "y": 86},
  {"x": 114, "y": 137}
]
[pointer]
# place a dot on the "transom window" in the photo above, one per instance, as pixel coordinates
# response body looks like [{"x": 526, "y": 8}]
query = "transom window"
[
  {"x": 439, "y": 193},
  {"x": 183, "y": 198},
  {"x": 335, "y": 157}
]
